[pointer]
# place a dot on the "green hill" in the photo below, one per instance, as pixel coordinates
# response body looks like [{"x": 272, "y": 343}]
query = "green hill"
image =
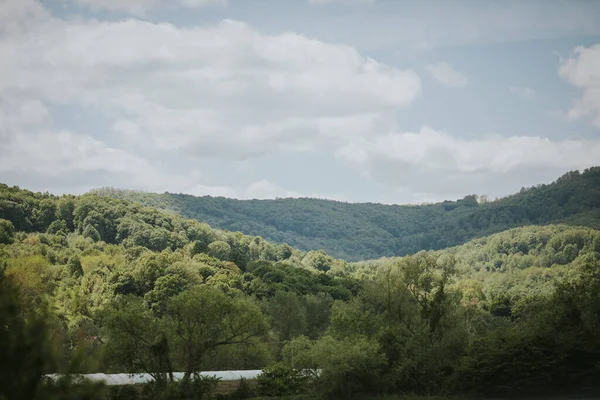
[
  {"x": 96, "y": 284},
  {"x": 368, "y": 230}
]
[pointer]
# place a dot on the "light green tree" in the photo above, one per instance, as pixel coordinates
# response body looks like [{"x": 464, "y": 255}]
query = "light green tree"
[
  {"x": 220, "y": 250},
  {"x": 203, "y": 318}
]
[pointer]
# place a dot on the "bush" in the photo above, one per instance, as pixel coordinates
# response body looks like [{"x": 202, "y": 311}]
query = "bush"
[
  {"x": 127, "y": 392},
  {"x": 243, "y": 391},
  {"x": 67, "y": 388},
  {"x": 198, "y": 388},
  {"x": 280, "y": 380}
]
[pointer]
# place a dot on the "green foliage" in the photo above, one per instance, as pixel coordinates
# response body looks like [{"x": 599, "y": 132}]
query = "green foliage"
[
  {"x": 318, "y": 260},
  {"x": 368, "y": 231},
  {"x": 97, "y": 284},
  {"x": 74, "y": 266},
  {"x": 24, "y": 347},
  {"x": 69, "y": 388},
  {"x": 197, "y": 388},
  {"x": 350, "y": 366},
  {"x": 288, "y": 316},
  {"x": 91, "y": 232},
  {"x": 281, "y": 380},
  {"x": 135, "y": 339},
  {"x": 203, "y": 318},
  {"x": 267, "y": 278},
  {"x": 220, "y": 250},
  {"x": 26, "y": 351},
  {"x": 165, "y": 287},
  {"x": 243, "y": 391},
  {"x": 7, "y": 232}
]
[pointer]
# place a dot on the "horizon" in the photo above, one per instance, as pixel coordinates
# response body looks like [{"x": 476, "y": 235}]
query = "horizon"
[
  {"x": 359, "y": 101},
  {"x": 479, "y": 197}
]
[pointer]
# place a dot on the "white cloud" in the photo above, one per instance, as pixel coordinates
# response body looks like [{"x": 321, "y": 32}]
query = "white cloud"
[
  {"x": 582, "y": 70},
  {"x": 267, "y": 190},
  {"x": 170, "y": 95},
  {"x": 171, "y": 108},
  {"x": 445, "y": 74},
  {"x": 65, "y": 160},
  {"x": 424, "y": 45},
  {"x": 215, "y": 191},
  {"x": 340, "y": 1},
  {"x": 141, "y": 7},
  {"x": 439, "y": 151},
  {"x": 262, "y": 189},
  {"x": 431, "y": 161},
  {"x": 193, "y": 89},
  {"x": 523, "y": 91}
]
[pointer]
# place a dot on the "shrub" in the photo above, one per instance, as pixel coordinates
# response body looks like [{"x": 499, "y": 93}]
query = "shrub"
[{"x": 280, "y": 380}]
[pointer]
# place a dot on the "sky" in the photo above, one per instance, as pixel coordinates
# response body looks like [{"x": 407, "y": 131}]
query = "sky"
[{"x": 389, "y": 101}]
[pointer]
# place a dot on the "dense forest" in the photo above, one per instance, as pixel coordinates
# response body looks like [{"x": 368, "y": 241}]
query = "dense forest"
[
  {"x": 96, "y": 284},
  {"x": 366, "y": 231}
]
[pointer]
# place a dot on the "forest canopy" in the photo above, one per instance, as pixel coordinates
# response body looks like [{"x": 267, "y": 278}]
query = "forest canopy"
[
  {"x": 97, "y": 284},
  {"x": 367, "y": 231}
]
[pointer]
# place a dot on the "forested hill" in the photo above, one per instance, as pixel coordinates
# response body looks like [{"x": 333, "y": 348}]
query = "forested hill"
[
  {"x": 95, "y": 284},
  {"x": 368, "y": 231}
]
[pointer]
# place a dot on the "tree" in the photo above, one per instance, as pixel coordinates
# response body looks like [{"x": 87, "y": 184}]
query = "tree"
[
  {"x": 203, "y": 318},
  {"x": 287, "y": 314},
  {"x": 164, "y": 288},
  {"x": 136, "y": 340},
  {"x": 74, "y": 266},
  {"x": 318, "y": 313},
  {"x": 45, "y": 214},
  {"x": 349, "y": 366},
  {"x": 65, "y": 210},
  {"x": 7, "y": 231},
  {"x": 24, "y": 345},
  {"x": 220, "y": 250},
  {"x": 318, "y": 260},
  {"x": 92, "y": 233},
  {"x": 58, "y": 226}
]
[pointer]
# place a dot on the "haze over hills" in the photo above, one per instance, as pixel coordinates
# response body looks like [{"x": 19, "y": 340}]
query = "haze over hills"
[{"x": 360, "y": 231}]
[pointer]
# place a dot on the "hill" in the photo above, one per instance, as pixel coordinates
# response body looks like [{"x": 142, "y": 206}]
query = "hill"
[
  {"x": 91, "y": 283},
  {"x": 97, "y": 284},
  {"x": 369, "y": 231}
]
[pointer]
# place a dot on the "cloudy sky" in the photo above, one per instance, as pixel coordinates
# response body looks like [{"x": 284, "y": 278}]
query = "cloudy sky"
[{"x": 358, "y": 100}]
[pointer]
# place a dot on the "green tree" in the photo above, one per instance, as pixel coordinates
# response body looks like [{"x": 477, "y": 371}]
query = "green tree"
[
  {"x": 24, "y": 345},
  {"x": 349, "y": 366},
  {"x": 7, "y": 231},
  {"x": 318, "y": 260},
  {"x": 65, "y": 211},
  {"x": 136, "y": 340},
  {"x": 74, "y": 266},
  {"x": 220, "y": 250},
  {"x": 164, "y": 288},
  {"x": 287, "y": 315},
  {"x": 318, "y": 313},
  {"x": 58, "y": 226},
  {"x": 91, "y": 232},
  {"x": 203, "y": 318}
]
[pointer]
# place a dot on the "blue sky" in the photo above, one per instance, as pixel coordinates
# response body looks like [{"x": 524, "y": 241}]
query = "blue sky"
[{"x": 383, "y": 100}]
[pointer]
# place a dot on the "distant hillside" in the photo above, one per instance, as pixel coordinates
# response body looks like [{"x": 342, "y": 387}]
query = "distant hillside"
[{"x": 367, "y": 231}]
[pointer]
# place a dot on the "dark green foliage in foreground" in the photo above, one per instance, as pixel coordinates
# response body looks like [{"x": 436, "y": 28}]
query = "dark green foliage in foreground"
[
  {"x": 367, "y": 231},
  {"x": 23, "y": 344},
  {"x": 26, "y": 351}
]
